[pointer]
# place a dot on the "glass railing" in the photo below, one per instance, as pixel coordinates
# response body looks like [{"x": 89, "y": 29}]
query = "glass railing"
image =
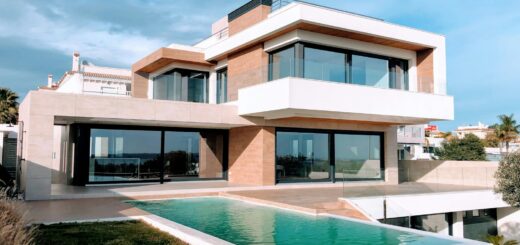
[
  {"x": 278, "y": 4},
  {"x": 334, "y": 72},
  {"x": 350, "y": 175}
]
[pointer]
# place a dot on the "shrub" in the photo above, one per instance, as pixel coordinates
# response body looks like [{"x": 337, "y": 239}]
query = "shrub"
[
  {"x": 508, "y": 179},
  {"x": 13, "y": 226},
  {"x": 469, "y": 148}
]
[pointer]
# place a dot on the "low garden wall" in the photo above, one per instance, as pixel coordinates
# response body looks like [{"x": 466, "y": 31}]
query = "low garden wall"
[{"x": 470, "y": 173}]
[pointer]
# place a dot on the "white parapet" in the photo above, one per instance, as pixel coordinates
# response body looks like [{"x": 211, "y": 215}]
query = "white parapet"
[{"x": 298, "y": 97}]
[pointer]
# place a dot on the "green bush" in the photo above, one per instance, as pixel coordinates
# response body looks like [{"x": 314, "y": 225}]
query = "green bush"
[
  {"x": 469, "y": 148},
  {"x": 508, "y": 179}
]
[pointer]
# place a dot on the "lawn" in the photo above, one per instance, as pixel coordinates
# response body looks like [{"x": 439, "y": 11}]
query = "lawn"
[{"x": 123, "y": 232}]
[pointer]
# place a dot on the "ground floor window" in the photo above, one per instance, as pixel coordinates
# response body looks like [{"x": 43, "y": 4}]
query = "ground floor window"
[
  {"x": 129, "y": 154},
  {"x": 328, "y": 155}
]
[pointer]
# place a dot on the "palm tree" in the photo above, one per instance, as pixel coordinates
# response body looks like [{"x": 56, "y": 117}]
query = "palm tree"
[
  {"x": 8, "y": 106},
  {"x": 507, "y": 130}
]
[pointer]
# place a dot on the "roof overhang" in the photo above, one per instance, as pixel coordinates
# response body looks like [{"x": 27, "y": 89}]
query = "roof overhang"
[
  {"x": 310, "y": 17},
  {"x": 166, "y": 56}
]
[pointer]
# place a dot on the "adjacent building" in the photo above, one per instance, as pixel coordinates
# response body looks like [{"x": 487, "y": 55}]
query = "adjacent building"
[
  {"x": 480, "y": 130},
  {"x": 8, "y": 142},
  {"x": 87, "y": 78}
]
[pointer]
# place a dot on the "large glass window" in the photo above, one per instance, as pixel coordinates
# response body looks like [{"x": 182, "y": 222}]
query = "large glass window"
[
  {"x": 193, "y": 154},
  {"x": 325, "y": 65},
  {"x": 282, "y": 64},
  {"x": 222, "y": 86},
  {"x": 332, "y": 64},
  {"x": 181, "y": 85},
  {"x": 124, "y": 155},
  {"x": 370, "y": 71},
  {"x": 358, "y": 157},
  {"x": 302, "y": 156}
]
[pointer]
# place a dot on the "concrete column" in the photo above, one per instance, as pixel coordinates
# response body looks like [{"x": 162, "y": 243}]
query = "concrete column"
[
  {"x": 251, "y": 156},
  {"x": 458, "y": 225},
  {"x": 37, "y": 148},
  {"x": 390, "y": 148}
]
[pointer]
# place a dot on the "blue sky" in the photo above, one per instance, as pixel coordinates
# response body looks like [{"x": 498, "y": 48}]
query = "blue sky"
[{"x": 38, "y": 38}]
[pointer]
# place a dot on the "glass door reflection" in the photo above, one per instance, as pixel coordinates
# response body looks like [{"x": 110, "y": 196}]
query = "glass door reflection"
[{"x": 302, "y": 156}]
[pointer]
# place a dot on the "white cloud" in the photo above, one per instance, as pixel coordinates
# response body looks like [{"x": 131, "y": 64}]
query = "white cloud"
[{"x": 92, "y": 38}]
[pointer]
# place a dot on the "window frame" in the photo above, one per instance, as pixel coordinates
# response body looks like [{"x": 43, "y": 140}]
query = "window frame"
[
  {"x": 82, "y": 134},
  {"x": 299, "y": 57},
  {"x": 222, "y": 98},
  {"x": 331, "y": 133},
  {"x": 184, "y": 72}
]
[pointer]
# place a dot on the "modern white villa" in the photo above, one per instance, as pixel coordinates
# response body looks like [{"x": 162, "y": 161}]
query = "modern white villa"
[{"x": 284, "y": 96}]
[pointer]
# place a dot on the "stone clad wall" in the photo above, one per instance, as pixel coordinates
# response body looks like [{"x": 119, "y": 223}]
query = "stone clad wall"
[{"x": 470, "y": 173}]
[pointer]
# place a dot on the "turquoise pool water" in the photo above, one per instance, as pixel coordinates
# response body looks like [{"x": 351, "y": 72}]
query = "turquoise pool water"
[{"x": 244, "y": 223}]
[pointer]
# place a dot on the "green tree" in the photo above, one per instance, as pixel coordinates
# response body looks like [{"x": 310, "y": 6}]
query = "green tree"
[
  {"x": 469, "y": 148},
  {"x": 508, "y": 179},
  {"x": 8, "y": 106},
  {"x": 507, "y": 130}
]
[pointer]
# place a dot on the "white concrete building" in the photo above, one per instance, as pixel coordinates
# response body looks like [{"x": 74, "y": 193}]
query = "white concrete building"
[
  {"x": 8, "y": 137},
  {"x": 87, "y": 78},
  {"x": 298, "y": 93},
  {"x": 480, "y": 130}
]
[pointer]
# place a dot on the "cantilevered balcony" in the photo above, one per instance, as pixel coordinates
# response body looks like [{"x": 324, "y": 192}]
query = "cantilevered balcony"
[{"x": 324, "y": 94}]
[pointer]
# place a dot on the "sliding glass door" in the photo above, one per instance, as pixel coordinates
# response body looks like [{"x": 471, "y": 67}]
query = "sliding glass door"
[
  {"x": 328, "y": 155},
  {"x": 358, "y": 157},
  {"x": 135, "y": 154},
  {"x": 124, "y": 155},
  {"x": 193, "y": 155},
  {"x": 302, "y": 156}
]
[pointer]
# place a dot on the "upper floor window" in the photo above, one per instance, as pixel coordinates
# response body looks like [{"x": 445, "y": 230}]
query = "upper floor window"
[
  {"x": 181, "y": 85},
  {"x": 338, "y": 65},
  {"x": 222, "y": 86},
  {"x": 282, "y": 63}
]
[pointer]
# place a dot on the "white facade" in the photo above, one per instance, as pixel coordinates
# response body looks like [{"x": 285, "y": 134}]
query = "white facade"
[
  {"x": 480, "y": 130},
  {"x": 293, "y": 97},
  {"x": 86, "y": 78}
]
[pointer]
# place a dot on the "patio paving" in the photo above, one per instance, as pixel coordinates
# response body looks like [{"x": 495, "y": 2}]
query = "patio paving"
[{"x": 314, "y": 198}]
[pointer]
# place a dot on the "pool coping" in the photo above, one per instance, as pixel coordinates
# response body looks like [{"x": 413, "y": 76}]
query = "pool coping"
[{"x": 194, "y": 236}]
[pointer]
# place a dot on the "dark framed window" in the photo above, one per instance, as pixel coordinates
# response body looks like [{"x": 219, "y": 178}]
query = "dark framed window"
[
  {"x": 328, "y": 155},
  {"x": 282, "y": 63},
  {"x": 181, "y": 85},
  {"x": 222, "y": 86},
  {"x": 320, "y": 62},
  {"x": 119, "y": 154}
]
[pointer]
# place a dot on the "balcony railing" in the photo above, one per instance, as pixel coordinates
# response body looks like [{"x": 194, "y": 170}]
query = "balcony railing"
[
  {"x": 331, "y": 72},
  {"x": 113, "y": 93},
  {"x": 278, "y": 4}
]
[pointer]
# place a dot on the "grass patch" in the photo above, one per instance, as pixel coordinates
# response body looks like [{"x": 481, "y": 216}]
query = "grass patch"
[{"x": 123, "y": 232}]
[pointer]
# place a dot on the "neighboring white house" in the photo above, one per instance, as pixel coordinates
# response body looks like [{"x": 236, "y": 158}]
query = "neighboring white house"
[
  {"x": 87, "y": 78},
  {"x": 8, "y": 136},
  {"x": 480, "y": 130}
]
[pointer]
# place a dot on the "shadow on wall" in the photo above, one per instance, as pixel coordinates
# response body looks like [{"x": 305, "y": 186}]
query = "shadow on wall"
[
  {"x": 510, "y": 230},
  {"x": 470, "y": 173}
]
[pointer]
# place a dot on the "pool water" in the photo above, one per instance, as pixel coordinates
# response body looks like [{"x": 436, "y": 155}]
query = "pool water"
[{"x": 245, "y": 223}]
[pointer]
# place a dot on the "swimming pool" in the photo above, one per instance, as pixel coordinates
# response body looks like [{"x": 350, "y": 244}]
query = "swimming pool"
[{"x": 245, "y": 223}]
